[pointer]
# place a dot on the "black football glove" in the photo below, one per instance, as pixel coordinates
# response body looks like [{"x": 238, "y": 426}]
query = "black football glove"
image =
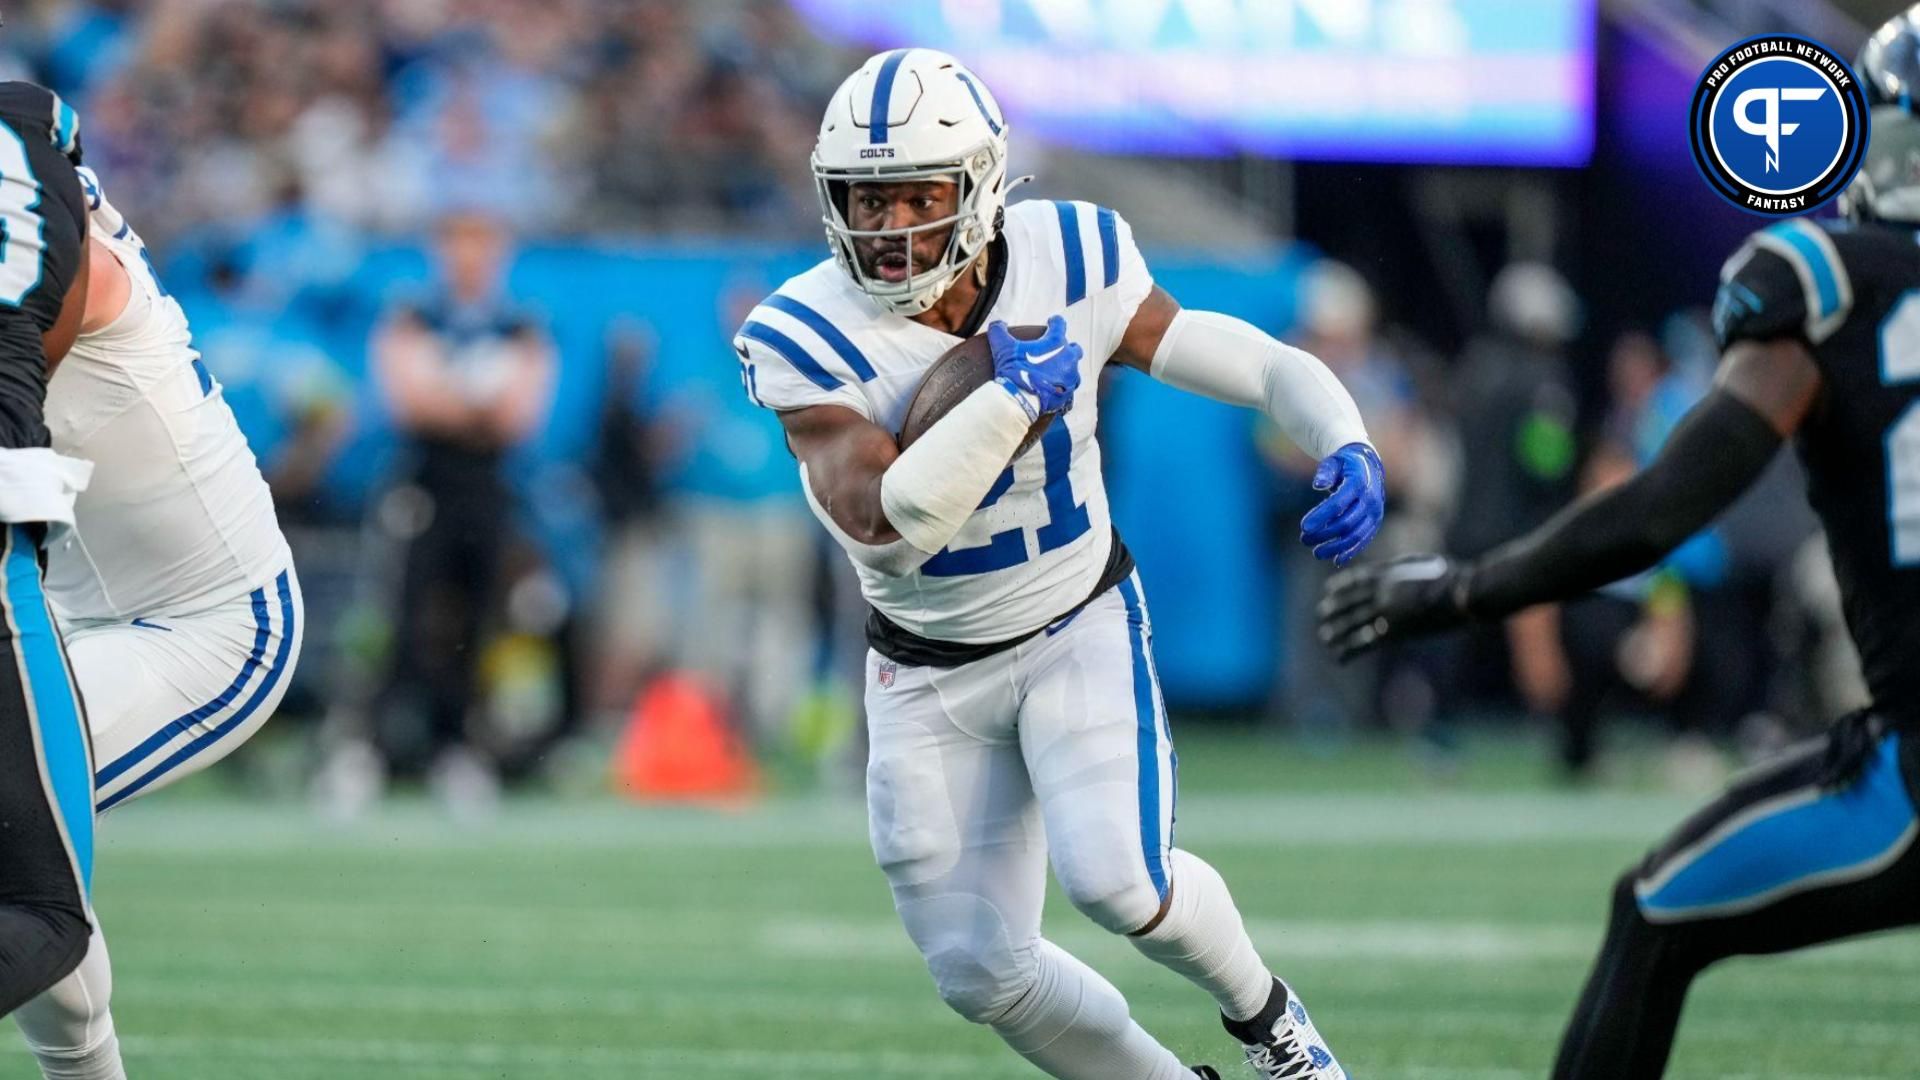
[{"x": 1366, "y": 605}]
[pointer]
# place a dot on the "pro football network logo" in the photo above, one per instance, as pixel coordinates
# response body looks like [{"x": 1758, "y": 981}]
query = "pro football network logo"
[{"x": 1779, "y": 124}]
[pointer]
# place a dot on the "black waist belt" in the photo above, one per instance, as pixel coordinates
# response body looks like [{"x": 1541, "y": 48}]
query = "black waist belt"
[{"x": 903, "y": 646}]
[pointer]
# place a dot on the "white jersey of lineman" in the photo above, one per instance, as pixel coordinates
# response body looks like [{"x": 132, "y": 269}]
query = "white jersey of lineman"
[
  {"x": 1040, "y": 540},
  {"x": 177, "y": 518},
  {"x": 175, "y": 589}
]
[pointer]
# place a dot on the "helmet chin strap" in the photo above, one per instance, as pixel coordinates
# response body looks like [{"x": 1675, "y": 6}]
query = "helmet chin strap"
[{"x": 980, "y": 266}]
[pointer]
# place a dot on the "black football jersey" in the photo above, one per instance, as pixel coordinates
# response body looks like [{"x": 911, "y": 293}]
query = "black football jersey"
[
  {"x": 44, "y": 215},
  {"x": 1852, "y": 294}
]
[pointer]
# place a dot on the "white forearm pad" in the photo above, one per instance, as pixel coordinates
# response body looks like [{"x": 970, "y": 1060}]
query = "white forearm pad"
[
  {"x": 897, "y": 559},
  {"x": 1231, "y": 360},
  {"x": 930, "y": 490}
]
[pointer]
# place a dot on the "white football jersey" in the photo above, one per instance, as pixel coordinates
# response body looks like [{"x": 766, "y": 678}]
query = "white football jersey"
[
  {"x": 1037, "y": 545},
  {"x": 177, "y": 518}
]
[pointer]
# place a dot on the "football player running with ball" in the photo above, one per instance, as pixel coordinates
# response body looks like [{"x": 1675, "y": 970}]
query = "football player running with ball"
[
  {"x": 1014, "y": 712},
  {"x": 1820, "y": 326}
]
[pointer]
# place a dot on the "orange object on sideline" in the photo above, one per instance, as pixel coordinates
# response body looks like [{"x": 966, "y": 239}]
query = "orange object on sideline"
[{"x": 678, "y": 745}]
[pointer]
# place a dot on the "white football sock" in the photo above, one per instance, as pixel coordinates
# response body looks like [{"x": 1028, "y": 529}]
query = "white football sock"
[
  {"x": 69, "y": 1028},
  {"x": 1074, "y": 1025},
  {"x": 1203, "y": 938}
]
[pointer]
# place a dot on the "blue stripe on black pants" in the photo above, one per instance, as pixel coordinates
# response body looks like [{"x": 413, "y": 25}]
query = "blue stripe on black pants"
[
  {"x": 46, "y": 792},
  {"x": 1783, "y": 860}
]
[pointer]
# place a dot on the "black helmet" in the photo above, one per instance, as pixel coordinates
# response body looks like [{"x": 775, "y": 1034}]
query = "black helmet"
[
  {"x": 1888, "y": 185},
  {"x": 1890, "y": 62}
]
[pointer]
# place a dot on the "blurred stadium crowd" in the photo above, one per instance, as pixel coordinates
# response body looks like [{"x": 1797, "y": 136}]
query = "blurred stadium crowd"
[
  {"x": 557, "y": 115},
  {"x": 332, "y": 186}
]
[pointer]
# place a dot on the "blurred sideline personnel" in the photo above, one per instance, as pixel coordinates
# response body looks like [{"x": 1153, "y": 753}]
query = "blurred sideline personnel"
[
  {"x": 1011, "y": 696},
  {"x": 176, "y": 591},
  {"x": 467, "y": 375},
  {"x": 46, "y": 795},
  {"x": 1516, "y": 428},
  {"x": 1820, "y": 327}
]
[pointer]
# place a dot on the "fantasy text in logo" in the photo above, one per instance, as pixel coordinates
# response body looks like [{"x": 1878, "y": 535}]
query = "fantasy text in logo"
[{"x": 1779, "y": 124}]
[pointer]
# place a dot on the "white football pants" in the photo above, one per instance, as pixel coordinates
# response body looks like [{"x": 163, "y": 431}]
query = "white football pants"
[{"x": 1058, "y": 746}]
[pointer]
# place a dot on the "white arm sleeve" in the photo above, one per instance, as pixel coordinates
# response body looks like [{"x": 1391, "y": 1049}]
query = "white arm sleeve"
[
  {"x": 933, "y": 487},
  {"x": 1230, "y": 360},
  {"x": 897, "y": 559}
]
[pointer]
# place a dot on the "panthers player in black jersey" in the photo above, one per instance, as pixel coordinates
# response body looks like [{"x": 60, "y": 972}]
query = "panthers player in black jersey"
[
  {"x": 1820, "y": 326},
  {"x": 46, "y": 772}
]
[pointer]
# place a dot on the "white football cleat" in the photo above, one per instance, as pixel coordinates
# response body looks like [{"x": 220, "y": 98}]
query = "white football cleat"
[{"x": 1282, "y": 1043}]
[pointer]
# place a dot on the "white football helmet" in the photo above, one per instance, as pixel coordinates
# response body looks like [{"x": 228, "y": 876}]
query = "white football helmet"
[{"x": 913, "y": 114}]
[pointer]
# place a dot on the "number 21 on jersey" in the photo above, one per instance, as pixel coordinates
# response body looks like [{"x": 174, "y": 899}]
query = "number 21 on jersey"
[{"x": 1066, "y": 519}]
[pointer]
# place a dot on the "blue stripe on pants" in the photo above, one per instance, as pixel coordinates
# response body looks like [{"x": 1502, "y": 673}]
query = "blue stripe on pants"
[
  {"x": 240, "y": 716},
  {"x": 1146, "y": 712},
  {"x": 262, "y": 631},
  {"x": 1797, "y": 841},
  {"x": 50, "y": 694}
]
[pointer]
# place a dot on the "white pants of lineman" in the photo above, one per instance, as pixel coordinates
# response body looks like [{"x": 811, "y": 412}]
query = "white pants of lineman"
[
  {"x": 1054, "y": 750},
  {"x": 166, "y": 697}
]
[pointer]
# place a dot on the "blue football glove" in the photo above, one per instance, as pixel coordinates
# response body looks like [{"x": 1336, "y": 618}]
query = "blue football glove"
[
  {"x": 1345, "y": 521},
  {"x": 1042, "y": 373}
]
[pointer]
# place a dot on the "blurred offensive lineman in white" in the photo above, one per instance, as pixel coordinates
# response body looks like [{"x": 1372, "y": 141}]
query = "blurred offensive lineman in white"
[
  {"x": 176, "y": 590},
  {"x": 1011, "y": 694}
]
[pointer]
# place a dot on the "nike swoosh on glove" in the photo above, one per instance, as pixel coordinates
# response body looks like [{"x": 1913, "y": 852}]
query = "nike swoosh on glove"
[
  {"x": 1047, "y": 367},
  {"x": 1346, "y": 520},
  {"x": 1367, "y": 605}
]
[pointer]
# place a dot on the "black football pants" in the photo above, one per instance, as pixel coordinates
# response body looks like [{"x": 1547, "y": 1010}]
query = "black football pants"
[
  {"x": 46, "y": 787},
  {"x": 1812, "y": 847}
]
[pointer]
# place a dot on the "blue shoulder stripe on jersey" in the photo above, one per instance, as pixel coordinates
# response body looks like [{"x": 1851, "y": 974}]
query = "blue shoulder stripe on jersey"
[
  {"x": 1826, "y": 277},
  {"x": 828, "y": 332},
  {"x": 878, "y": 115},
  {"x": 791, "y": 351},
  {"x": 992, "y": 124},
  {"x": 66, "y": 125},
  {"x": 1076, "y": 257},
  {"x": 1109, "y": 224}
]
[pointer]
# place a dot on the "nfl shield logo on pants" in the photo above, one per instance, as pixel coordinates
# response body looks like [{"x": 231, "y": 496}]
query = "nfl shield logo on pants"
[{"x": 887, "y": 671}]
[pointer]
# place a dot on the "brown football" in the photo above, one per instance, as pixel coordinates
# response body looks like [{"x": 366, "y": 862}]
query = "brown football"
[{"x": 959, "y": 372}]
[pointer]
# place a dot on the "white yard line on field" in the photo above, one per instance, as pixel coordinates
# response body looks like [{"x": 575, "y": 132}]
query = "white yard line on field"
[
  {"x": 1304, "y": 939},
  {"x": 1220, "y": 820},
  {"x": 784, "y": 1060},
  {"x": 877, "y": 1009},
  {"x": 771, "y": 1061}
]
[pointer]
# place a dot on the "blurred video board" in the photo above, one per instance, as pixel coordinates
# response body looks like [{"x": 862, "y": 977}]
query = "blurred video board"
[{"x": 1460, "y": 81}]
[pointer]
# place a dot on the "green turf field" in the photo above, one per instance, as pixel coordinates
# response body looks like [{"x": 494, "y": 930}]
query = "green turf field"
[{"x": 1437, "y": 931}]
